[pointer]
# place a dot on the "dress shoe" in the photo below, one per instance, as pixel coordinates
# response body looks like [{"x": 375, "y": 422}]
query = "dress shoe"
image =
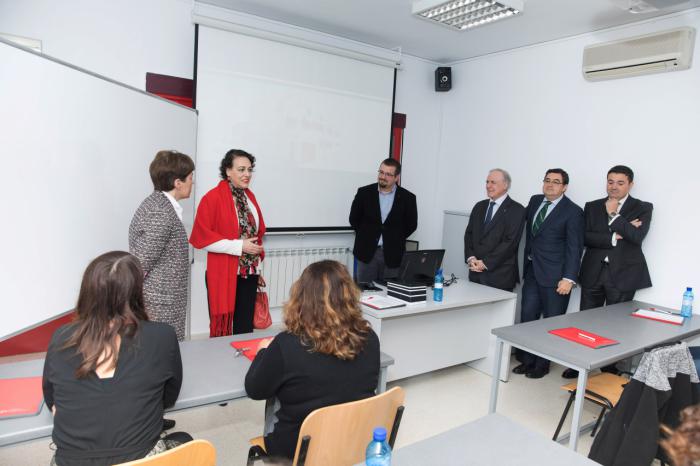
[
  {"x": 168, "y": 424},
  {"x": 570, "y": 374},
  {"x": 610, "y": 369},
  {"x": 536, "y": 373},
  {"x": 521, "y": 369}
]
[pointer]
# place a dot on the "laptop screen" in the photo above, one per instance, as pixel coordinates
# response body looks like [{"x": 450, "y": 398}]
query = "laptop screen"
[{"x": 420, "y": 266}]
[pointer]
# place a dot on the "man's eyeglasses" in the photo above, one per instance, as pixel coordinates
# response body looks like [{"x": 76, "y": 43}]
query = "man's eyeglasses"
[
  {"x": 390, "y": 175},
  {"x": 554, "y": 182}
]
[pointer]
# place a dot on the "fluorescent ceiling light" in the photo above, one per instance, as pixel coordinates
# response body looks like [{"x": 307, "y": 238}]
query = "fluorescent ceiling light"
[
  {"x": 466, "y": 14},
  {"x": 646, "y": 6}
]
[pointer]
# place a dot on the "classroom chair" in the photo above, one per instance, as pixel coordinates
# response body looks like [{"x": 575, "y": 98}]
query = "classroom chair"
[
  {"x": 603, "y": 389},
  {"x": 193, "y": 453},
  {"x": 339, "y": 434}
]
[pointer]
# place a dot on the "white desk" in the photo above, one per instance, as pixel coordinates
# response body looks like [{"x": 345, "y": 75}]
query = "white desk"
[{"x": 428, "y": 336}]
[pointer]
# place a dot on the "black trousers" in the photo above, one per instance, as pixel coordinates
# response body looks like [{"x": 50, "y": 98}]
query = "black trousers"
[
  {"x": 603, "y": 292},
  {"x": 246, "y": 291}
]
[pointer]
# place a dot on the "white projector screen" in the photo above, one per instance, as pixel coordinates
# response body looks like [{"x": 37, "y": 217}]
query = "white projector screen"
[
  {"x": 75, "y": 152},
  {"x": 318, "y": 124}
]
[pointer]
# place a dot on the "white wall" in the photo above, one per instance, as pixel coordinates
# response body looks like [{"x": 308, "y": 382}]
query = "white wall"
[
  {"x": 122, "y": 40},
  {"x": 530, "y": 109}
]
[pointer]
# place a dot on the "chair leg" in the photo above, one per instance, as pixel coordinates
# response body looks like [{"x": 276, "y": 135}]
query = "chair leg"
[
  {"x": 255, "y": 453},
  {"x": 395, "y": 427},
  {"x": 563, "y": 416},
  {"x": 597, "y": 423}
]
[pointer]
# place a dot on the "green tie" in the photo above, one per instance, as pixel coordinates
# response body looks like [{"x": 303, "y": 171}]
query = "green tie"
[{"x": 540, "y": 217}]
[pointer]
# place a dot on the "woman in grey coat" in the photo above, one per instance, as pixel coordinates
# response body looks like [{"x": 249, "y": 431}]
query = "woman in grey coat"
[{"x": 158, "y": 238}]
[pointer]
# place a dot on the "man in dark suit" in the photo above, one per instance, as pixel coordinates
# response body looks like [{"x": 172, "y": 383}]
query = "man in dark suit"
[
  {"x": 493, "y": 235},
  {"x": 614, "y": 267},
  {"x": 553, "y": 246},
  {"x": 383, "y": 215}
]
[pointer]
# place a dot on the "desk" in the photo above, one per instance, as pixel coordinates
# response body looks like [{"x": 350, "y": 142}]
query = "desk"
[
  {"x": 634, "y": 334},
  {"x": 427, "y": 336},
  {"x": 492, "y": 439},
  {"x": 206, "y": 380}
]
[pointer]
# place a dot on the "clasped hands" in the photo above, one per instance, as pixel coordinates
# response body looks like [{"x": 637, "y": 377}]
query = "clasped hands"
[{"x": 476, "y": 265}]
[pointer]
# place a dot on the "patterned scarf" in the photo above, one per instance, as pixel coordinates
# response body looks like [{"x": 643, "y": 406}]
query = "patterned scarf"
[{"x": 247, "y": 227}]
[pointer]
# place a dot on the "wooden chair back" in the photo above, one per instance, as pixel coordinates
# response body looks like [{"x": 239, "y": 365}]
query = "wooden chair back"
[
  {"x": 339, "y": 434},
  {"x": 194, "y": 453}
]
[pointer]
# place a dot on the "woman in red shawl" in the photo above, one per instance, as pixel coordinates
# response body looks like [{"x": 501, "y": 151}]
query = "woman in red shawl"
[{"x": 229, "y": 226}]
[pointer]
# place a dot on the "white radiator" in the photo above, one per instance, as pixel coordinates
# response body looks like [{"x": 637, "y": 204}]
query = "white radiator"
[{"x": 283, "y": 266}]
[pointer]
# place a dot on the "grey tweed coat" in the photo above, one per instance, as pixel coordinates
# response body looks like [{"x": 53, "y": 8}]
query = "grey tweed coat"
[{"x": 158, "y": 238}]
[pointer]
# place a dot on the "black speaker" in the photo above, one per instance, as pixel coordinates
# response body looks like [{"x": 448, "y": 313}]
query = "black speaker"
[{"x": 443, "y": 78}]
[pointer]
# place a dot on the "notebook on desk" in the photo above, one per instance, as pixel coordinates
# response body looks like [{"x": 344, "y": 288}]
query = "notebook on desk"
[
  {"x": 583, "y": 337},
  {"x": 658, "y": 315},
  {"x": 22, "y": 396}
]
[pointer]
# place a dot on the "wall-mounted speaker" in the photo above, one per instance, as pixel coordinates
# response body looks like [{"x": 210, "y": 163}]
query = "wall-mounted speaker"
[{"x": 443, "y": 78}]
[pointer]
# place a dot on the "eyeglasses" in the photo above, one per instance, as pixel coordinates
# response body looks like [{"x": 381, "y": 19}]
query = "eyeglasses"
[
  {"x": 554, "y": 182},
  {"x": 242, "y": 170},
  {"x": 382, "y": 172}
]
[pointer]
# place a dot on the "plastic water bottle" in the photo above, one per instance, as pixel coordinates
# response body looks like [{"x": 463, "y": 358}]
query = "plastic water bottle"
[
  {"x": 378, "y": 452},
  {"x": 437, "y": 287},
  {"x": 687, "y": 306}
]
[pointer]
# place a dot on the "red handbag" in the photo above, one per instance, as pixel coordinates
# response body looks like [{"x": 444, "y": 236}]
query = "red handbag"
[{"x": 261, "y": 315}]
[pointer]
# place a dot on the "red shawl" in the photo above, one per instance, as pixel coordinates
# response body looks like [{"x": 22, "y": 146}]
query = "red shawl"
[{"x": 216, "y": 220}]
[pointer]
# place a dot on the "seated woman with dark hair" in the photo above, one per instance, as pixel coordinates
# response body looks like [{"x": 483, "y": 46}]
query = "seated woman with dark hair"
[
  {"x": 328, "y": 355},
  {"x": 109, "y": 374}
]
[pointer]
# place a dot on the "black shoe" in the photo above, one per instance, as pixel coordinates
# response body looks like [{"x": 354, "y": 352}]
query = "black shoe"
[
  {"x": 168, "y": 424},
  {"x": 522, "y": 369},
  {"x": 610, "y": 369},
  {"x": 570, "y": 374},
  {"x": 537, "y": 373}
]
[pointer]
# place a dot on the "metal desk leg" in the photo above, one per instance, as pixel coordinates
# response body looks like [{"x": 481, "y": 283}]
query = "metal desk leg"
[
  {"x": 381, "y": 383},
  {"x": 495, "y": 375},
  {"x": 578, "y": 408}
]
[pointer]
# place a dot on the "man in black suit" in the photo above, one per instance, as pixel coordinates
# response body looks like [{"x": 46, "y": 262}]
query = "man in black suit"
[
  {"x": 553, "y": 246},
  {"x": 383, "y": 215},
  {"x": 614, "y": 267},
  {"x": 493, "y": 235}
]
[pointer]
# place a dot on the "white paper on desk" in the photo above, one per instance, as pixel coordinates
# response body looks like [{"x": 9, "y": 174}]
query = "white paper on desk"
[
  {"x": 656, "y": 315},
  {"x": 381, "y": 302}
]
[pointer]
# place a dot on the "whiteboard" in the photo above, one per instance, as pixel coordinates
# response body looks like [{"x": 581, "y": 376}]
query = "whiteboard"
[
  {"x": 453, "y": 227},
  {"x": 318, "y": 124},
  {"x": 75, "y": 152}
]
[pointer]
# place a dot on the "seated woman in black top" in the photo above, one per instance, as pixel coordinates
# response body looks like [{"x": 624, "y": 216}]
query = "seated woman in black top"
[
  {"x": 328, "y": 354},
  {"x": 109, "y": 374}
]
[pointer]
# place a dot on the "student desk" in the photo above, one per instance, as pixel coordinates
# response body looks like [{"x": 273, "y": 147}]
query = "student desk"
[
  {"x": 211, "y": 374},
  {"x": 492, "y": 439},
  {"x": 428, "y": 336},
  {"x": 634, "y": 335}
]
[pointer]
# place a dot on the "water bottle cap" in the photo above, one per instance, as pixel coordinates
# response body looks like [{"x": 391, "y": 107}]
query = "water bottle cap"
[
  {"x": 379, "y": 434},
  {"x": 689, "y": 288},
  {"x": 439, "y": 272}
]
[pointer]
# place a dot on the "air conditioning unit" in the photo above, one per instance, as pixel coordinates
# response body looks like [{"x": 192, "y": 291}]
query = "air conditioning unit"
[{"x": 670, "y": 50}]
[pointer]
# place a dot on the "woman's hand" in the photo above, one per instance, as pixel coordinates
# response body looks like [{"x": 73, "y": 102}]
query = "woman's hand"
[
  {"x": 251, "y": 246},
  {"x": 261, "y": 281},
  {"x": 264, "y": 343}
]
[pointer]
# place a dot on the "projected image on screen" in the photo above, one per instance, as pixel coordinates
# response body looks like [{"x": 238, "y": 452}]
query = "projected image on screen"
[{"x": 317, "y": 123}]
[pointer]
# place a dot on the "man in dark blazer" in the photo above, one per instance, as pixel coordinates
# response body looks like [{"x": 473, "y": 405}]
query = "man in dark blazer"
[
  {"x": 383, "y": 215},
  {"x": 493, "y": 235},
  {"x": 614, "y": 267},
  {"x": 553, "y": 246}
]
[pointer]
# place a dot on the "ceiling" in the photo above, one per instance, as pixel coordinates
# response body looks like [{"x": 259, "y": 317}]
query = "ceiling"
[{"x": 390, "y": 24}]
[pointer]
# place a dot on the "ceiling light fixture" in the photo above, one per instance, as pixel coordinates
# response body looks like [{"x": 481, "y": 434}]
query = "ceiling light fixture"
[{"x": 466, "y": 14}]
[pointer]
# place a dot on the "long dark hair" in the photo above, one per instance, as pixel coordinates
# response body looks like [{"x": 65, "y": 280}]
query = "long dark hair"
[{"x": 110, "y": 303}]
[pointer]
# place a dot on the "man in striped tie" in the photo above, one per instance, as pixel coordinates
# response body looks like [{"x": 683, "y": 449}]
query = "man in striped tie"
[{"x": 553, "y": 247}]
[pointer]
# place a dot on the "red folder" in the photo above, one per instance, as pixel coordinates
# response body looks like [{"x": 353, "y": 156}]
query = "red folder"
[
  {"x": 582, "y": 337},
  {"x": 249, "y": 347},
  {"x": 20, "y": 397}
]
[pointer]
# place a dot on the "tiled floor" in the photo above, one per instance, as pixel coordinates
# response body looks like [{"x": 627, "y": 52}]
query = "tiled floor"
[{"x": 435, "y": 402}]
